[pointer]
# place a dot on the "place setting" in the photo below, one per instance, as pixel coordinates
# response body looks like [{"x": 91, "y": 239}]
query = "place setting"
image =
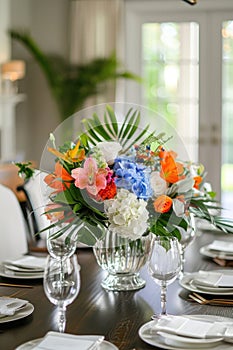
[
  {"x": 12, "y": 309},
  {"x": 184, "y": 332},
  {"x": 63, "y": 341},
  {"x": 61, "y": 285},
  {"x": 215, "y": 282},
  {"x": 24, "y": 267},
  {"x": 189, "y": 332},
  {"x": 221, "y": 251}
]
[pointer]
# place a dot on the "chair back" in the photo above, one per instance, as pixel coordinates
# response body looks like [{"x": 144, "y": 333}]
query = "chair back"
[
  {"x": 13, "y": 232},
  {"x": 37, "y": 197}
]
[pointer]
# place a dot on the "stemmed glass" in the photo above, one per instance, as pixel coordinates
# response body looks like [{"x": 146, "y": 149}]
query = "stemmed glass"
[
  {"x": 62, "y": 284},
  {"x": 164, "y": 266},
  {"x": 61, "y": 243}
]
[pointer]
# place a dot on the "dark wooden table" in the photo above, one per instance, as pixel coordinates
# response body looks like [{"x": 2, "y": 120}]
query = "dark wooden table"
[{"x": 116, "y": 315}]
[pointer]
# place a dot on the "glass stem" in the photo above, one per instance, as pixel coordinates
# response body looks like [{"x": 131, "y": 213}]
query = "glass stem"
[
  {"x": 163, "y": 298},
  {"x": 182, "y": 260},
  {"x": 62, "y": 319},
  {"x": 61, "y": 271}
]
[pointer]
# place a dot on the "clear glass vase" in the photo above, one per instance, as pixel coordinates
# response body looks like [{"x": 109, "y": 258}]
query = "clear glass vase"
[{"x": 122, "y": 258}]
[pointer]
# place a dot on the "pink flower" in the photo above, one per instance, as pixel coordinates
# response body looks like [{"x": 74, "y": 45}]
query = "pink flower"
[{"x": 90, "y": 177}]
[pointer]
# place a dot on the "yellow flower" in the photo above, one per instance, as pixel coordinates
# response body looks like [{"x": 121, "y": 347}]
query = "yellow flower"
[{"x": 73, "y": 155}]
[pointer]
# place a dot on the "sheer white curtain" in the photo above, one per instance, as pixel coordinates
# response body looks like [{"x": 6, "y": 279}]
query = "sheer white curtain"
[{"x": 97, "y": 31}]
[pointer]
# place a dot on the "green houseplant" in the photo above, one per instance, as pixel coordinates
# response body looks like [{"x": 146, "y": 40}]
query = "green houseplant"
[{"x": 72, "y": 84}]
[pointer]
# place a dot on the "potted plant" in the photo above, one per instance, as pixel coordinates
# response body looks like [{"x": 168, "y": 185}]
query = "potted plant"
[{"x": 71, "y": 84}]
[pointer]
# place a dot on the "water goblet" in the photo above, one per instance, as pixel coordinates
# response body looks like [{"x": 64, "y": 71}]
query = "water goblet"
[
  {"x": 62, "y": 284},
  {"x": 61, "y": 242},
  {"x": 164, "y": 266}
]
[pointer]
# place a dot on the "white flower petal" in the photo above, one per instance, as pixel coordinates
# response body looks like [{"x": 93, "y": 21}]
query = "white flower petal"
[
  {"x": 110, "y": 150},
  {"x": 158, "y": 185}
]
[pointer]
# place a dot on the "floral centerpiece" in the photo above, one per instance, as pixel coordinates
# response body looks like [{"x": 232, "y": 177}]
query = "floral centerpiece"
[
  {"x": 123, "y": 179},
  {"x": 114, "y": 187}
]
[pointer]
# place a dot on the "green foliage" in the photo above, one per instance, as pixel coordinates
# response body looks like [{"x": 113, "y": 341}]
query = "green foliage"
[
  {"x": 25, "y": 170},
  {"x": 126, "y": 135},
  {"x": 72, "y": 84}
]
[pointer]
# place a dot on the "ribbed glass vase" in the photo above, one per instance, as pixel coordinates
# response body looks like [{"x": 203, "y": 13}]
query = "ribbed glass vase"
[{"x": 122, "y": 258}]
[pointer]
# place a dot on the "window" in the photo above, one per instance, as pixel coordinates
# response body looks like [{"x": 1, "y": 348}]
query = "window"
[
  {"x": 227, "y": 114},
  {"x": 170, "y": 70},
  {"x": 185, "y": 56}
]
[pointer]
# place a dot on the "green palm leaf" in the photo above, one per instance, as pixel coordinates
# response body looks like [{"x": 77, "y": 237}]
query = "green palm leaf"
[
  {"x": 124, "y": 125},
  {"x": 127, "y": 135},
  {"x": 109, "y": 127},
  {"x": 113, "y": 119}
]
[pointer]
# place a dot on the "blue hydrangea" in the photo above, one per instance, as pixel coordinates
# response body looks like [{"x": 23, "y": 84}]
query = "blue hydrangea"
[{"x": 133, "y": 177}]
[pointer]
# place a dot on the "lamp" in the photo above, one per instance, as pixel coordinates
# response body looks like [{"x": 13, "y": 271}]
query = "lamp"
[
  {"x": 11, "y": 72},
  {"x": 191, "y": 2}
]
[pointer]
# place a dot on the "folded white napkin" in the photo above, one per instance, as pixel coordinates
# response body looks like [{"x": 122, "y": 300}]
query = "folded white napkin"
[
  {"x": 28, "y": 261},
  {"x": 64, "y": 341},
  {"x": 188, "y": 327},
  {"x": 213, "y": 279},
  {"x": 221, "y": 246},
  {"x": 9, "y": 306}
]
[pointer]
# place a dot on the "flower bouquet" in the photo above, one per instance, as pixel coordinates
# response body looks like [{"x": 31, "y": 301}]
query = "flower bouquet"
[{"x": 118, "y": 177}]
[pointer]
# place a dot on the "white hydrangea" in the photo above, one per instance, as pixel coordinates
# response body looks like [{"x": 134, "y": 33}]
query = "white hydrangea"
[{"x": 127, "y": 214}]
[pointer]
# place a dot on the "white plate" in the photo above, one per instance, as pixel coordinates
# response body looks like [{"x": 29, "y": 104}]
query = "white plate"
[
  {"x": 177, "y": 340},
  {"x": 28, "y": 262},
  {"x": 105, "y": 345},
  {"x": 214, "y": 254},
  {"x": 206, "y": 289},
  {"x": 24, "y": 312},
  {"x": 157, "y": 340},
  {"x": 19, "y": 275},
  {"x": 186, "y": 282}
]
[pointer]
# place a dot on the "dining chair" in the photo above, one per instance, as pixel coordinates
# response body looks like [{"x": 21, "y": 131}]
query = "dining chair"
[
  {"x": 35, "y": 191},
  {"x": 13, "y": 231}
]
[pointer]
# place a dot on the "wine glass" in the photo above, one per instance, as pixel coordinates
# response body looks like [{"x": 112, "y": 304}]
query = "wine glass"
[
  {"x": 62, "y": 284},
  {"x": 61, "y": 242},
  {"x": 187, "y": 236},
  {"x": 164, "y": 266}
]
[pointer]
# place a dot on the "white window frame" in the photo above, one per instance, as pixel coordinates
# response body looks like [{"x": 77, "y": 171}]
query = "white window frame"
[{"x": 209, "y": 14}]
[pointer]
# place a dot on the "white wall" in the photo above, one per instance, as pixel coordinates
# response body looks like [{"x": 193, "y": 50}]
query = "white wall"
[
  {"x": 4, "y": 23},
  {"x": 47, "y": 22}
]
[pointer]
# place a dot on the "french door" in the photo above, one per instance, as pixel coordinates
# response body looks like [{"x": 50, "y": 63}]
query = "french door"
[{"x": 185, "y": 56}]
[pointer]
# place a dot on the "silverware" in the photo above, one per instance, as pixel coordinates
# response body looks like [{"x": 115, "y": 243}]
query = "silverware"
[
  {"x": 214, "y": 301},
  {"x": 15, "y": 285}
]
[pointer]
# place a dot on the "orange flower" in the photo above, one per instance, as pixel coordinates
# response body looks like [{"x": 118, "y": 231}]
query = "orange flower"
[
  {"x": 171, "y": 171},
  {"x": 60, "y": 180},
  {"x": 163, "y": 153},
  {"x": 162, "y": 204},
  {"x": 54, "y": 216},
  {"x": 198, "y": 180}
]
